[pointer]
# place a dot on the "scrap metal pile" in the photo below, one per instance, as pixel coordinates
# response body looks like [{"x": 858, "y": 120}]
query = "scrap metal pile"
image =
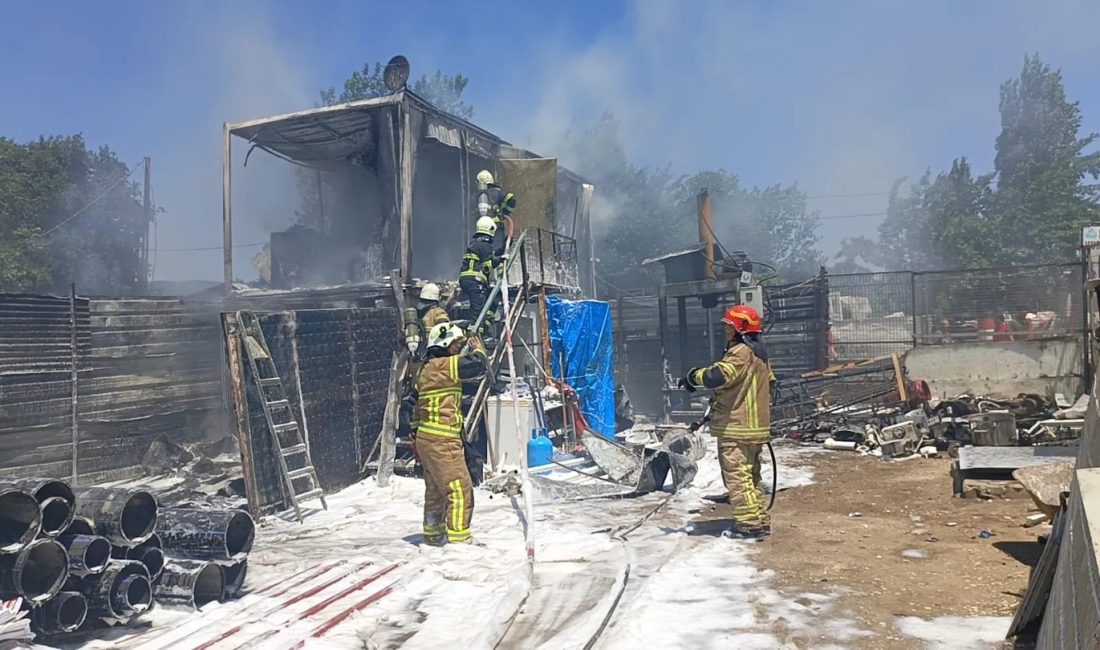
[
  {"x": 872, "y": 408},
  {"x": 103, "y": 556}
]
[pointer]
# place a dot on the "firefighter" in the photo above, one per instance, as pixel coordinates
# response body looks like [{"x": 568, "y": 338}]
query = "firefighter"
[
  {"x": 479, "y": 269},
  {"x": 431, "y": 313},
  {"x": 448, "y": 490},
  {"x": 495, "y": 203},
  {"x": 740, "y": 416}
]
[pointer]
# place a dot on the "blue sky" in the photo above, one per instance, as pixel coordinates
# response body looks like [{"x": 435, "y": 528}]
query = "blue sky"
[{"x": 841, "y": 97}]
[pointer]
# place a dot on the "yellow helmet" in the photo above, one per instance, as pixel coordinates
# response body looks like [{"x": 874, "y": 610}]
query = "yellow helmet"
[
  {"x": 484, "y": 177},
  {"x": 486, "y": 226}
]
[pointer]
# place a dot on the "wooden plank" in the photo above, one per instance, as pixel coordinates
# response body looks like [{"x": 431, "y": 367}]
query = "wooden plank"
[
  {"x": 240, "y": 409},
  {"x": 899, "y": 376}
]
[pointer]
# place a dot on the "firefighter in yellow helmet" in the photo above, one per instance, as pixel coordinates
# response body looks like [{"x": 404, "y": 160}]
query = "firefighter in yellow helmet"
[
  {"x": 495, "y": 203},
  {"x": 478, "y": 270},
  {"x": 437, "y": 423},
  {"x": 431, "y": 313},
  {"x": 740, "y": 416}
]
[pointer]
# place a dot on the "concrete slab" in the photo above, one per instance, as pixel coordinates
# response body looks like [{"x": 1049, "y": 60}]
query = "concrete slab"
[{"x": 979, "y": 458}]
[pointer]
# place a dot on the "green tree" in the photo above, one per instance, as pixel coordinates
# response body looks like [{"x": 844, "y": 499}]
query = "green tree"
[
  {"x": 43, "y": 184},
  {"x": 1041, "y": 201},
  {"x": 444, "y": 91}
]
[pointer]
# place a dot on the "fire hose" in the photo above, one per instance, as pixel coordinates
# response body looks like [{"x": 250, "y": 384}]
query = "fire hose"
[{"x": 698, "y": 424}]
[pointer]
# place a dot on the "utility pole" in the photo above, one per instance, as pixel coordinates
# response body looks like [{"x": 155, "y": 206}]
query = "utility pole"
[{"x": 147, "y": 218}]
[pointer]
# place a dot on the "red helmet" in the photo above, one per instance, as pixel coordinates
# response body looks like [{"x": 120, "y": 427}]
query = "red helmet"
[{"x": 744, "y": 319}]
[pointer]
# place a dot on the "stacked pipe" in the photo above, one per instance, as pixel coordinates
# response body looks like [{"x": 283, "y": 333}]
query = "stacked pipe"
[
  {"x": 206, "y": 554},
  {"x": 105, "y": 555}
]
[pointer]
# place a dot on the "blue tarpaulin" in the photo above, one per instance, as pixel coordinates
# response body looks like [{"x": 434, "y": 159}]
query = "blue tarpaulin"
[{"x": 580, "y": 332}]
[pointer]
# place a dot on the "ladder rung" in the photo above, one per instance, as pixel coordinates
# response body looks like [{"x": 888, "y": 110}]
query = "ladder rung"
[
  {"x": 312, "y": 494},
  {"x": 269, "y": 381},
  {"x": 301, "y": 473},
  {"x": 279, "y": 403},
  {"x": 286, "y": 426},
  {"x": 294, "y": 449}
]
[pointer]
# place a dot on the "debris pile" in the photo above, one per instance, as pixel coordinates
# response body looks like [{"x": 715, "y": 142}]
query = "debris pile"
[{"x": 103, "y": 556}]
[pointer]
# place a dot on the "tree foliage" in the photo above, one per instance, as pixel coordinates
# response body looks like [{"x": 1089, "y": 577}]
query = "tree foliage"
[
  {"x": 45, "y": 182},
  {"x": 444, "y": 91},
  {"x": 1030, "y": 209},
  {"x": 643, "y": 212}
]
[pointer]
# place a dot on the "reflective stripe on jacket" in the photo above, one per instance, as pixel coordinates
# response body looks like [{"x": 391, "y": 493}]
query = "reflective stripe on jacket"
[{"x": 742, "y": 404}]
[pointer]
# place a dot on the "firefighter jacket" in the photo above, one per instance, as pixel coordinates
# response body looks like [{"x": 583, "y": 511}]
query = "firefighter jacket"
[
  {"x": 439, "y": 391},
  {"x": 741, "y": 382},
  {"x": 500, "y": 204},
  {"x": 480, "y": 259},
  {"x": 434, "y": 316}
]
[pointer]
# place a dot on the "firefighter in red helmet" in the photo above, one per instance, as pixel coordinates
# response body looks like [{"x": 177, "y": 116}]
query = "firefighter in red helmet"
[{"x": 740, "y": 416}]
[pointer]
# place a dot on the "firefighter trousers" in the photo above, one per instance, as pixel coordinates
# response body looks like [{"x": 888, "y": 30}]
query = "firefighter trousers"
[
  {"x": 740, "y": 465},
  {"x": 478, "y": 293},
  {"x": 448, "y": 490}
]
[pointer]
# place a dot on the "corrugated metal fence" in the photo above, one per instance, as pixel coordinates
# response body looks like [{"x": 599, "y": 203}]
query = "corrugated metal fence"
[{"x": 145, "y": 367}]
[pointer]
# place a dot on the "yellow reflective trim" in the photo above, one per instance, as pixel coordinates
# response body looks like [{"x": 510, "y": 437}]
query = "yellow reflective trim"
[
  {"x": 729, "y": 371},
  {"x": 456, "y": 504},
  {"x": 453, "y": 364},
  {"x": 440, "y": 430},
  {"x": 441, "y": 391},
  {"x": 754, "y": 413}
]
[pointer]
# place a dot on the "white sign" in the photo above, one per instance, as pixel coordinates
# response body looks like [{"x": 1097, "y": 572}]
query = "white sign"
[{"x": 1090, "y": 235}]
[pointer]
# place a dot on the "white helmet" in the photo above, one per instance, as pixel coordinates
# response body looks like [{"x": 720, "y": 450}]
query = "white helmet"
[
  {"x": 444, "y": 334},
  {"x": 486, "y": 226},
  {"x": 485, "y": 177},
  {"x": 430, "y": 291}
]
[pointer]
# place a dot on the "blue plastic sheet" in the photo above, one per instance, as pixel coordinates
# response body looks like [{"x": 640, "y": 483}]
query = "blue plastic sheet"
[{"x": 580, "y": 333}]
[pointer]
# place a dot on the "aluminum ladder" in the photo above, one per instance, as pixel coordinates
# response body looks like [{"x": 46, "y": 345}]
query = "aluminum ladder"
[{"x": 279, "y": 414}]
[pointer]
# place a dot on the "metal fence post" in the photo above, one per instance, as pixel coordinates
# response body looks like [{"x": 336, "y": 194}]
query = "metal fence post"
[
  {"x": 75, "y": 354},
  {"x": 913, "y": 304}
]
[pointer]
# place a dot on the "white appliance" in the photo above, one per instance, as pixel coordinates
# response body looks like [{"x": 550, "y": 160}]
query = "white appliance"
[{"x": 508, "y": 447}]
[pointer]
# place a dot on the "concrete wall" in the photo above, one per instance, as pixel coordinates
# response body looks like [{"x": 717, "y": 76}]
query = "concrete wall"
[{"x": 999, "y": 368}]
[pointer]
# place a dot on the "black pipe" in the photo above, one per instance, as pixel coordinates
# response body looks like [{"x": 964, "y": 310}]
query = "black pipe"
[
  {"x": 126, "y": 517},
  {"x": 20, "y": 519},
  {"x": 222, "y": 535},
  {"x": 122, "y": 591},
  {"x": 79, "y": 526},
  {"x": 65, "y": 612},
  {"x": 234, "y": 579},
  {"x": 190, "y": 582},
  {"x": 56, "y": 498},
  {"x": 148, "y": 553},
  {"x": 88, "y": 554},
  {"x": 57, "y": 514},
  {"x": 36, "y": 573}
]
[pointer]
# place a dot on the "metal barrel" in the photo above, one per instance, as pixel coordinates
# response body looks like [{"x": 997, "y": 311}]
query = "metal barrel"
[
  {"x": 120, "y": 592},
  {"x": 88, "y": 554},
  {"x": 63, "y": 613},
  {"x": 222, "y": 535},
  {"x": 55, "y": 497},
  {"x": 234, "y": 579},
  {"x": 79, "y": 526},
  {"x": 126, "y": 517},
  {"x": 148, "y": 553},
  {"x": 20, "y": 519},
  {"x": 57, "y": 514},
  {"x": 36, "y": 573},
  {"x": 190, "y": 582}
]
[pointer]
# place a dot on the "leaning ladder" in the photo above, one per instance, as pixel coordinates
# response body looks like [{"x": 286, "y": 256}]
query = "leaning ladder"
[{"x": 279, "y": 415}]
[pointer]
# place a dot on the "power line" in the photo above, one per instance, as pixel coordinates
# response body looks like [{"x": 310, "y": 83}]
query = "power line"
[
  {"x": 208, "y": 248},
  {"x": 845, "y": 196},
  {"x": 96, "y": 199},
  {"x": 854, "y": 216}
]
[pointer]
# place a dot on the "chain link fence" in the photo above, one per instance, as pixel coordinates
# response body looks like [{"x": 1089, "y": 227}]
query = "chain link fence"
[{"x": 877, "y": 314}]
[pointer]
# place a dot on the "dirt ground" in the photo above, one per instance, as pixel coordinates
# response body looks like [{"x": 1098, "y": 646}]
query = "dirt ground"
[{"x": 820, "y": 544}]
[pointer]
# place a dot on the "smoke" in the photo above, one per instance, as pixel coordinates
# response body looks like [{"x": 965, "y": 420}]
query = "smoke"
[
  {"x": 222, "y": 62},
  {"x": 840, "y": 98}
]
